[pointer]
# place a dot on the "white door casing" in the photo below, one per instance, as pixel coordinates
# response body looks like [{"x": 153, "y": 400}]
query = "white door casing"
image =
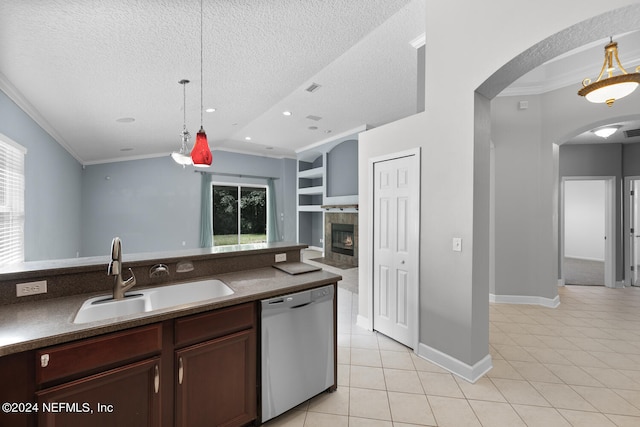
[{"x": 396, "y": 232}]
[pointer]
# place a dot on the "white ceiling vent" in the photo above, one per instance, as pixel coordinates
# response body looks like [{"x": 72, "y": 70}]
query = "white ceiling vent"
[
  {"x": 313, "y": 87},
  {"x": 632, "y": 133},
  {"x": 314, "y": 118}
]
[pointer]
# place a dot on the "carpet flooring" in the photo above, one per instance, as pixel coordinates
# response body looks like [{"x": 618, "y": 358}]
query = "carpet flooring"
[{"x": 583, "y": 272}]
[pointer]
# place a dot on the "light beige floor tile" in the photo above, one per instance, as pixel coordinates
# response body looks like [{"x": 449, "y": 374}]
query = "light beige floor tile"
[
  {"x": 519, "y": 392},
  {"x": 336, "y": 403},
  {"x": 582, "y": 358},
  {"x": 483, "y": 389},
  {"x": 365, "y": 403},
  {"x": 397, "y": 360},
  {"x": 514, "y": 352},
  {"x": 344, "y": 374},
  {"x": 586, "y": 419},
  {"x": 503, "y": 369},
  {"x": 440, "y": 384},
  {"x": 366, "y": 357},
  {"x": 386, "y": 343},
  {"x": 562, "y": 396},
  {"x": 631, "y": 396},
  {"x": 364, "y": 341},
  {"x": 410, "y": 408},
  {"x": 292, "y": 418},
  {"x": 367, "y": 422},
  {"x": 367, "y": 377},
  {"x": 403, "y": 381},
  {"x": 344, "y": 355},
  {"x": 606, "y": 401},
  {"x": 344, "y": 339},
  {"x": 500, "y": 337},
  {"x": 536, "y": 416},
  {"x": 496, "y": 414},
  {"x": 317, "y": 419},
  {"x": 558, "y": 343},
  {"x": 426, "y": 366},
  {"x": 624, "y": 420},
  {"x": 527, "y": 340},
  {"x": 612, "y": 378},
  {"x": 452, "y": 412},
  {"x": 574, "y": 375},
  {"x": 534, "y": 371},
  {"x": 548, "y": 355}
]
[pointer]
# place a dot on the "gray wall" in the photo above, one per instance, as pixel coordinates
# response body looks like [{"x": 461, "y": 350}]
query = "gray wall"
[
  {"x": 525, "y": 264},
  {"x": 52, "y": 187},
  {"x": 154, "y": 204},
  {"x": 342, "y": 169}
]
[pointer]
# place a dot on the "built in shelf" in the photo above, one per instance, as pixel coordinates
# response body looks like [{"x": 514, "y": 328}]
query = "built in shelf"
[
  {"x": 340, "y": 207},
  {"x": 311, "y": 190},
  {"x": 309, "y": 208},
  {"x": 312, "y": 173}
]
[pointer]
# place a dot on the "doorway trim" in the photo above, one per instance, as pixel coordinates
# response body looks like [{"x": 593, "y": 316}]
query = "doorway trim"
[
  {"x": 416, "y": 153},
  {"x": 626, "y": 215},
  {"x": 610, "y": 227}
]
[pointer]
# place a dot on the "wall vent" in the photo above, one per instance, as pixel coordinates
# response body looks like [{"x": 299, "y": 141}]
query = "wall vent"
[
  {"x": 632, "y": 133},
  {"x": 314, "y": 118},
  {"x": 313, "y": 87}
]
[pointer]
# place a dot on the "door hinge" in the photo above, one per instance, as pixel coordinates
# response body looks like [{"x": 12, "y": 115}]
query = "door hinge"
[
  {"x": 632, "y": 231},
  {"x": 632, "y": 268},
  {"x": 632, "y": 192}
]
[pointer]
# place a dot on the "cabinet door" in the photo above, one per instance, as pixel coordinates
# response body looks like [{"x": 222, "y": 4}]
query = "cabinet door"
[
  {"x": 216, "y": 384},
  {"x": 128, "y": 396}
]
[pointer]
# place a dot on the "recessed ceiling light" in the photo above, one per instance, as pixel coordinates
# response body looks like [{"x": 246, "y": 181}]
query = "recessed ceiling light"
[
  {"x": 248, "y": 138},
  {"x": 313, "y": 127},
  {"x": 268, "y": 148},
  {"x": 327, "y": 131},
  {"x": 210, "y": 110},
  {"x": 125, "y": 120},
  {"x": 286, "y": 113},
  {"x": 126, "y": 149}
]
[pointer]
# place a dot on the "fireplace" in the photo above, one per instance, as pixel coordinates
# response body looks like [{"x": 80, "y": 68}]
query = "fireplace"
[{"x": 342, "y": 239}]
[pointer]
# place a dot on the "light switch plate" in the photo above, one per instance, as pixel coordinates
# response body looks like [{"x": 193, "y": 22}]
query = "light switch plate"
[{"x": 457, "y": 244}]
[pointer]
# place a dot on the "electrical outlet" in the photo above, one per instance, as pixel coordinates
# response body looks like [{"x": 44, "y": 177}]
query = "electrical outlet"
[
  {"x": 31, "y": 288},
  {"x": 281, "y": 257}
]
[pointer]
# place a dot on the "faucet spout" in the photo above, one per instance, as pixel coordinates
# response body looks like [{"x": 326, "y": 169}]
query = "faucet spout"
[{"x": 120, "y": 286}]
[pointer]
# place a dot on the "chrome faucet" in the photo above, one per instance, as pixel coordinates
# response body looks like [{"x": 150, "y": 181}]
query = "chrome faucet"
[{"x": 115, "y": 269}]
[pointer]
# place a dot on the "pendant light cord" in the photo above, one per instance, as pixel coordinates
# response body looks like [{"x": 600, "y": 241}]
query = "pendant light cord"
[{"x": 201, "y": 56}]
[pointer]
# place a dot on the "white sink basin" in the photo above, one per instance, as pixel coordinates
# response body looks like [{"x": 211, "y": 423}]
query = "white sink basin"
[{"x": 142, "y": 301}]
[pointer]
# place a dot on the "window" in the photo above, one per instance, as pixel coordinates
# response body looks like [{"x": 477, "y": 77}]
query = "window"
[
  {"x": 239, "y": 214},
  {"x": 11, "y": 201}
]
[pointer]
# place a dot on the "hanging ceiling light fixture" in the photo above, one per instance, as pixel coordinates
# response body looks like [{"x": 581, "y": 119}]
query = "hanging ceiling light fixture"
[
  {"x": 201, "y": 154},
  {"x": 610, "y": 88},
  {"x": 182, "y": 157}
]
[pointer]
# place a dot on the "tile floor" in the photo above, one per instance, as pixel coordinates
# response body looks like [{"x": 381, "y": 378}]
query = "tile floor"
[{"x": 576, "y": 365}]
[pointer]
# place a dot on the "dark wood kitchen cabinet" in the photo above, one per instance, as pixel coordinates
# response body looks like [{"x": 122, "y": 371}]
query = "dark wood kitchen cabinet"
[
  {"x": 216, "y": 377},
  {"x": 104, "y": 381}
]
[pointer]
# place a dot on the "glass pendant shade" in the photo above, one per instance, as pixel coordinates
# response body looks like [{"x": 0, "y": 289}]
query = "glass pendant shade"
[{"x": 201, "y": 154}]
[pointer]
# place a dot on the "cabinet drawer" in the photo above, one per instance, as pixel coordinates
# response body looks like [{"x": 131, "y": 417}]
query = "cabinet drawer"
[
  {"x": 95, "y": 354},
  {"x": 215, "y": 324}
]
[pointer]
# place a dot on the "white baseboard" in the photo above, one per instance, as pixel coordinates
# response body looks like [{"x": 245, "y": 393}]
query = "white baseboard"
[
  {"x": 363, "y": 322},
  {"x": 618, "y": 284},
  {"x": 455, "y": 366},
  {"x": 561, "y": 282},
  {"x": 525, "y": 299}
]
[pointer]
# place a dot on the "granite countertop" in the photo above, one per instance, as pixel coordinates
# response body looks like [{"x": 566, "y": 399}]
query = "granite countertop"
[{"x": 31, "y": 325}]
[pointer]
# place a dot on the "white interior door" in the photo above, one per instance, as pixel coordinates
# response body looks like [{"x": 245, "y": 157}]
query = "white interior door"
[{"x": 395, "y": 257}]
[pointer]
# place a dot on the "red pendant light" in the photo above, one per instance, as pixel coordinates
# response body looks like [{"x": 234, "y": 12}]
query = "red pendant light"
[{"x": 201, "y": 153}]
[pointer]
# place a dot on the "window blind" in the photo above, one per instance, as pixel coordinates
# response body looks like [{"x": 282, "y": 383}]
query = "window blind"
[{"x": 11, "y": 201}]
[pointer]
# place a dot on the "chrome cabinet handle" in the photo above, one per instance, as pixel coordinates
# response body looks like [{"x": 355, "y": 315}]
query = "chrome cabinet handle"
[
  {"x": 180, "y": 371},
  {"x": 156, "y": 380}
]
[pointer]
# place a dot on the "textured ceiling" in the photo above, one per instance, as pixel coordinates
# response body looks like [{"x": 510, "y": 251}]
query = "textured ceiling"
[{"x": 79, "y": 65}]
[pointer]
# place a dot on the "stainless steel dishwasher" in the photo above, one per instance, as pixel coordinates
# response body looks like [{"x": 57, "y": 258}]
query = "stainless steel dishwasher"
[{"x": 297, "y": 349}]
